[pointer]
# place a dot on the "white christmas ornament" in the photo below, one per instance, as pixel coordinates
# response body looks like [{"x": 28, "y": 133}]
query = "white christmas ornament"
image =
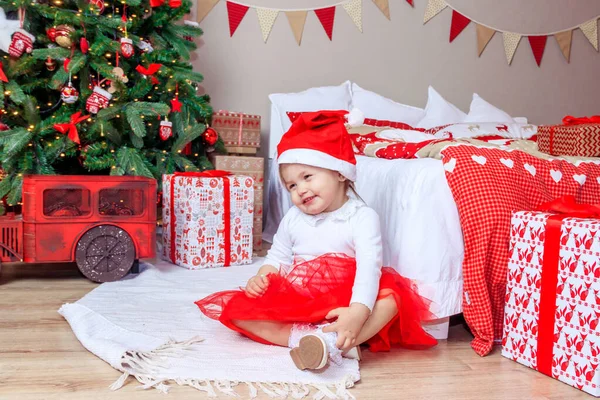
[{"x": 7, "y": 28}]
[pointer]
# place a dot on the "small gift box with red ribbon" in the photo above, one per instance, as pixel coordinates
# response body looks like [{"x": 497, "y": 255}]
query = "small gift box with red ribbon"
[
  {"x": 254, "y": 167},
  {"x": 207, "y": 219},
  {"x": 578, "y": 137},
  {"x": 552, "y": 310},
  {"x": 240, "y": 132}
]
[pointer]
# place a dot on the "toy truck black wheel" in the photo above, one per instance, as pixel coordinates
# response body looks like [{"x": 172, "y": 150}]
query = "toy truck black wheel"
[{"x": 105, "y": 253}]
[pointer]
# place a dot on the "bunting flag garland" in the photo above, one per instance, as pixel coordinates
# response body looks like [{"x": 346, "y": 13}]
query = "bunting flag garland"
[
  {"x": 511, "y": 40},
  {"x": 296, "y": 18},
  {"x": 326, "y": 16},
  {"x": 266, "y": 19},
  {"x": 384, "y": 7},
  {"x": 354, "y": 10},
  {"x": 484, "y": 35},
  {"x": 538, "y": 44},
  {"x": 564, "y": 42},
  {"x": 236, "y": 13},
  {"x": 458, "y": 24}
]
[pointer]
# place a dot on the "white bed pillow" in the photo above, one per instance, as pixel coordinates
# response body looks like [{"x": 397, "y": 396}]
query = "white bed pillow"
[
  {"x": 482, "y": 111},
  {"x": 378, "y": 107},
  {"x": 439, "y": 111},
  {"x": 313, "y": 99}
]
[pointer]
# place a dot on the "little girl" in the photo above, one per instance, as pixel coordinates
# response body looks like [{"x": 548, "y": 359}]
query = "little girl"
[{"x": 325, "y": 262}]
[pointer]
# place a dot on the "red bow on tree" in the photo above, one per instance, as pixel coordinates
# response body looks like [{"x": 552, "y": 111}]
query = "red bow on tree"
[
  {"x": 70, "y": 127},
  {"x": 570, "y": 120},
  {"x": 150, "y": 71}
]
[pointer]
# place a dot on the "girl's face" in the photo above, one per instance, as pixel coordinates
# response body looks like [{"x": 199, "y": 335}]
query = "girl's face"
[{"x": 314, "y": 190}]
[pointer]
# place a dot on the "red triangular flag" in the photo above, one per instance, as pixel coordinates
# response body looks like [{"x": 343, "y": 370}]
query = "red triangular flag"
[
  {"x": 236, "y": 13},
  {"x": 458, "y": 24},
  {"x": 538, "y": 44},
  {"x": 326, "y": 16},
  {"x": 410, "y": 2}
]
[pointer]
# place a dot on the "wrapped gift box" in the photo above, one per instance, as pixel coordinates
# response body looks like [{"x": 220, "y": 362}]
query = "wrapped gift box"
[
  {"x": 207, "y": 220},
  {"x": 240, "y": 132},
  {"x": 255, "y": 168},
  {"x": 553, "y": 298},
  {"x": 582, "y": 140}
]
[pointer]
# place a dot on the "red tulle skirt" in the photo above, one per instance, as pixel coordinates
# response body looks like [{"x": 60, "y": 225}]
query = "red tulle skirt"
[{"x": 312, "y": 289}]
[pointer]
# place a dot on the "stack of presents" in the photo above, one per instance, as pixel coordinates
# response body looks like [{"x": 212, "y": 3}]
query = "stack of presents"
[
  {"x": 552, "y": 309},
  {"x": 214, "y": 218}
]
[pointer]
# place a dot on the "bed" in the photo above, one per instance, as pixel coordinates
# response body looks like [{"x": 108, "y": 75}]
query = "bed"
[{"x": 421, "y": 228}]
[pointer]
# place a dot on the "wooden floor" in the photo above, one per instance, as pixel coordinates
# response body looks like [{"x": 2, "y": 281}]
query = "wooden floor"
[{"x": 40, "y": 358}]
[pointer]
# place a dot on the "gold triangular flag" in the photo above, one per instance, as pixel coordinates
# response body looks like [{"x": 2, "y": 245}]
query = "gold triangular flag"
[
  {"x": 203, "y": 7},
  {"x": 297, "y": 20},
  {"x": 484, "y": 35},
  {"x": 564, "y": 42},
  {"x": 511, "y": 41},
  {"x": 354, "y": 10},
  {"x": 590, "y": 30},
  {"x": 384, "y": 7},
  {"x": 266, "y": 19},
  {"x": 433, "y": 9}
]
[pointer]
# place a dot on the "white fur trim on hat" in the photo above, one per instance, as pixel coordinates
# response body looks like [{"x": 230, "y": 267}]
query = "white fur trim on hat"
[{"x": 319, "y": 159}]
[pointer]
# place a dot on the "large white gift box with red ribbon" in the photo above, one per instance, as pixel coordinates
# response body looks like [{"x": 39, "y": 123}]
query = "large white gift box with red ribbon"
[
  {"x": 207, "y": 219},
  {"x": 552, "y": 309}
]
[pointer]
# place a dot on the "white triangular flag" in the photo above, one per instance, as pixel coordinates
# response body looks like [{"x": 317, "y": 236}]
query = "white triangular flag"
[
  {"x": 433, "y": 9},
  {"x": 511, "y": 41},
  {"x": 590, "y": 30},
  {"x": 354, "y": 10},
  {"x": 266, "y": 19}
]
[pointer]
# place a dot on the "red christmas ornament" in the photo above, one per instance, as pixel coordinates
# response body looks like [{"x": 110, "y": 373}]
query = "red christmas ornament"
[
  {"x": 175, "y": 105},
  {"x": 166, "y": 129},
  {"x": 63, "y": 35},
  {"x": 50, "y": 64},
  {"x": 174, "y": 3},
  {"x": 127, "y": 47},
  {"x": 98, "y": 99},
  {"x": 22, "y": 42},
  {"x": 51, "y": 33},
  {"x": 210, "y": 136},
  {"x": 84, "y": 45},
  {"x": 69, "y": 94},
  {"x": 99, "y": 4},
  {"x": 3, "y": 127}
]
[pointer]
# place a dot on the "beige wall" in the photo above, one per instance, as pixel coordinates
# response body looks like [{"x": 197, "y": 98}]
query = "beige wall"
[{"x": 401, "y": 57}]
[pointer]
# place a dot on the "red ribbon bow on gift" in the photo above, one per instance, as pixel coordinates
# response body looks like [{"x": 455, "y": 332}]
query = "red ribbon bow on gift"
[
  {"x": 564, "y": 207},
  {"x": 570, "y": 120},
  {"x": 70, "y": 127},
  {"x": 226, "y": 208},
  {"x": 150, "y": 71}
]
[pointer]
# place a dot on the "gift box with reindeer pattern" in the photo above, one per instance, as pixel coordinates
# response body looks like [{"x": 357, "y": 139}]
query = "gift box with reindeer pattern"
[
  {"x": 207, "y": 220},
  {"x": 552, "y": 310}
]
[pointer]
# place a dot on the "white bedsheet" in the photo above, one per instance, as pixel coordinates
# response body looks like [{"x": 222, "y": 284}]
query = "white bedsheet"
[{"x": 421, "y": 230}]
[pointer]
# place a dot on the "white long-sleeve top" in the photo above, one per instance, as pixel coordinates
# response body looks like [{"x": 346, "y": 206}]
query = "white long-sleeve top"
[{"x": 353, "y": 229}]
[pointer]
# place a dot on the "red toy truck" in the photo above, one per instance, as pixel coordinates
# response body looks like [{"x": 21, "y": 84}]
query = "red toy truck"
[{"x": 103, "y": 223}]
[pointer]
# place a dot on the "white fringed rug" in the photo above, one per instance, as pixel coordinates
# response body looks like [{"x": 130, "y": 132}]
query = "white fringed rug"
[{"x": 148, "y": 327}]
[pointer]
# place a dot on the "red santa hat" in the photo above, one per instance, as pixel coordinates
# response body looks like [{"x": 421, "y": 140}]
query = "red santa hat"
[{"x": 320, "y": 139}]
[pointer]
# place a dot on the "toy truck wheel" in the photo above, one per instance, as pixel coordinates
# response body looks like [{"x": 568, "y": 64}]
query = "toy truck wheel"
[{"x": 105, "y": 253}]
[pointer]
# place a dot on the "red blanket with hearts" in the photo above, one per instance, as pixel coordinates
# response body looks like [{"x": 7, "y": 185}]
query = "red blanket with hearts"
[{"x": 488, "y": 184}]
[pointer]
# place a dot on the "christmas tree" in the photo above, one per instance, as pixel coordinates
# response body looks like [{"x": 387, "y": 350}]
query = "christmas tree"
[{"x": 99, "y": 87}]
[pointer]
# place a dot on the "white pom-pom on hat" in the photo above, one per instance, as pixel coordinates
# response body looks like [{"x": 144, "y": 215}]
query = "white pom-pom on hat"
[{"x": 355, "y": 117}]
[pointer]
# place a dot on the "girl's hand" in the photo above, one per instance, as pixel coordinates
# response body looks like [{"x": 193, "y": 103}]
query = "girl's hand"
[
  {"x": 256, "y": 286},
  {"x": 348, "y": 324}
]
